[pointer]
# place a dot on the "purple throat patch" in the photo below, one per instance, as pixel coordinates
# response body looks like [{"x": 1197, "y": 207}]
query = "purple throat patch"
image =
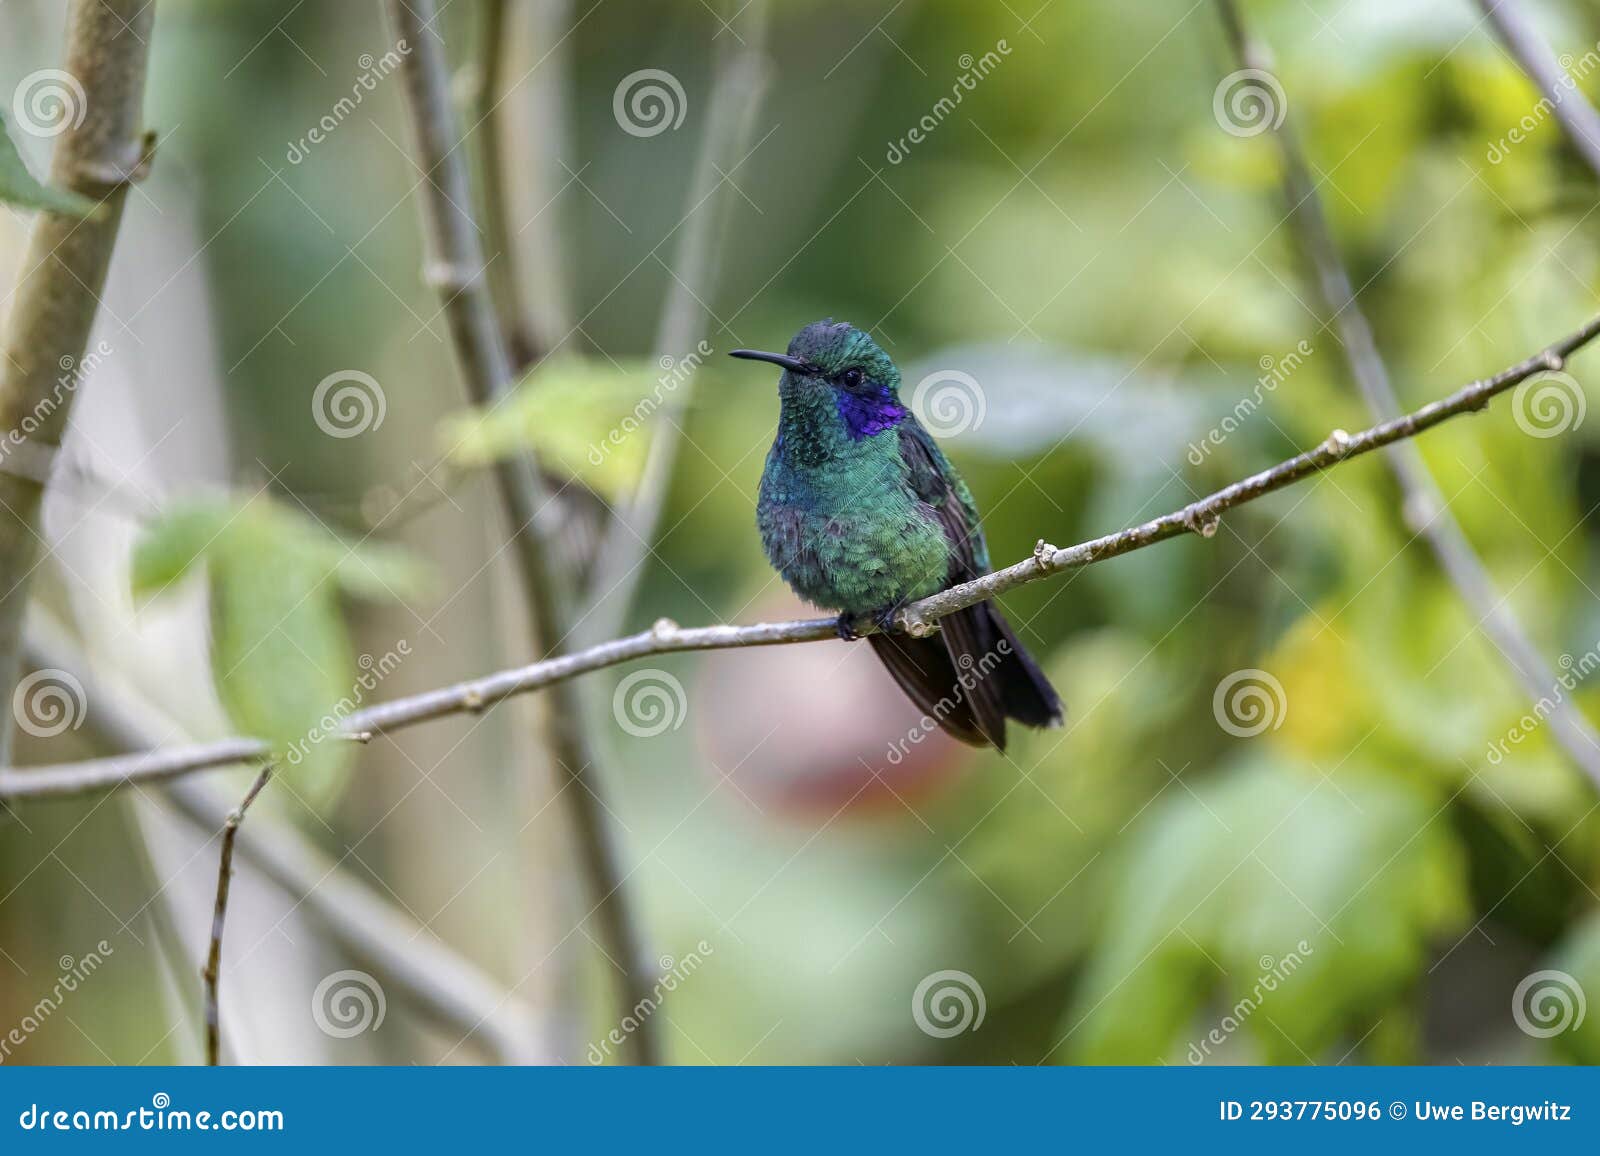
[{"x": 868, "y": 416}]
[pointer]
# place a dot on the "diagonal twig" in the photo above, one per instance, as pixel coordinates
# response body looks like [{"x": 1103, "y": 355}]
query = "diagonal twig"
[
  {"x": 739, "y": 82},
  {"x": 1424, "y": 503},
  {"x": 1198, "y": 517},
  {"x": 1575, "y": 114}
]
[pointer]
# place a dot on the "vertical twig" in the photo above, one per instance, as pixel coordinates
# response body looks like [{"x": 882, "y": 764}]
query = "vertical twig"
[
  {"x": 505, "y": 289},
  {"x": 522, "y": 132},
  {"x": 455, "y": 268},
  {"x": 63, "y": 275},
  {"x": 1425, "y": 507},
  {"x": 740, "y": 79},
  {"x": 1576, "y": 115},
  {"x": 213, "y": 969}
]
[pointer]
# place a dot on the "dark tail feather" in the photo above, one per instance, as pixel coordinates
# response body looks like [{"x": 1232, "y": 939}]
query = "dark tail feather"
[
  {"x": 1028, "y": 696},
  {"x": 923, "y": 669},
  {"x": 971, "y": 676}
]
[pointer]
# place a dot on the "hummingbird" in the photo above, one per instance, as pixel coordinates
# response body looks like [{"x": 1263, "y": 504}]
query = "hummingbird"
[{"x": 861, "y": 512}]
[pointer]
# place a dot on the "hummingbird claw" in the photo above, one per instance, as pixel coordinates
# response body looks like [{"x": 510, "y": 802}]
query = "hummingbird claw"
[
  {"x": 885, "y": 618},
  {"x": 845, "y": 627}
]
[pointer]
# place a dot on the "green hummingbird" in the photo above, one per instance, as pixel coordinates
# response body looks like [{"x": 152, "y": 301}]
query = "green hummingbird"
[{"x": 861, "y": 512}]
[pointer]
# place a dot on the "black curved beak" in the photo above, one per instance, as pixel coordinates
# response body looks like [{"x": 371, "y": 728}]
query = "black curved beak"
[{"x": 783, "y": 359}]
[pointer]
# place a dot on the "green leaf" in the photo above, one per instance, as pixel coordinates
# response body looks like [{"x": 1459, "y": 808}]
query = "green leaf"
[
  {"x": 375, "y": 571},
  {"x": 18, "y": 186},
  {"x": 1300, "y": 902},
  {"x": 280, "y": 653},
  {"x": 281, "y": 657},
  {"x": 587, "y": 419},
  {"x": 171, "y": 547}
]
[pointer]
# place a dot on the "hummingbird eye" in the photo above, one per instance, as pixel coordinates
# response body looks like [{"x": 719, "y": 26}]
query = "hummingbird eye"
[{"x": 850, "y": 378}]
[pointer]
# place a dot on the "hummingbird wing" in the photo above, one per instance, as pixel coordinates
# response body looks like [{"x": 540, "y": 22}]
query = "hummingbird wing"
[
  {"x": 981, "y": 665},
  {"x": 935, "y": 482},
  {"x": 952, "y": 667}
]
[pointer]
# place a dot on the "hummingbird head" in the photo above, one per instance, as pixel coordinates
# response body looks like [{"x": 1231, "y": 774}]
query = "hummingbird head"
[{"x": 833, "y": 366}]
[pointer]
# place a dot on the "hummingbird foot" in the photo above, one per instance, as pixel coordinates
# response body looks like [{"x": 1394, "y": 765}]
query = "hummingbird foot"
[{"x": 845, "y": 625}]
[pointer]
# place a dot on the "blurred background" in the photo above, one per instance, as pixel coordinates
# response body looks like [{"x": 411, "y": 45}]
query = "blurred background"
[{"x": 1300, "y": 812}]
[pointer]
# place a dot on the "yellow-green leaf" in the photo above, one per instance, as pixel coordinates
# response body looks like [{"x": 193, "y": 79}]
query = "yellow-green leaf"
[{"x": 587, "y": 419}]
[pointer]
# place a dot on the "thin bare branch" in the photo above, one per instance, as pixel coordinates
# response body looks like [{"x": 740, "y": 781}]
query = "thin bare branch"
[
  {"x": 63, "y": 276},
  {"x": 1574, "y": 113},
  {"x": 212, "y": 973},
  {"x": 1198, "y": 517},
  {"x": 455, "y": 266},
  {"x": 1424, "y": 503}
]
